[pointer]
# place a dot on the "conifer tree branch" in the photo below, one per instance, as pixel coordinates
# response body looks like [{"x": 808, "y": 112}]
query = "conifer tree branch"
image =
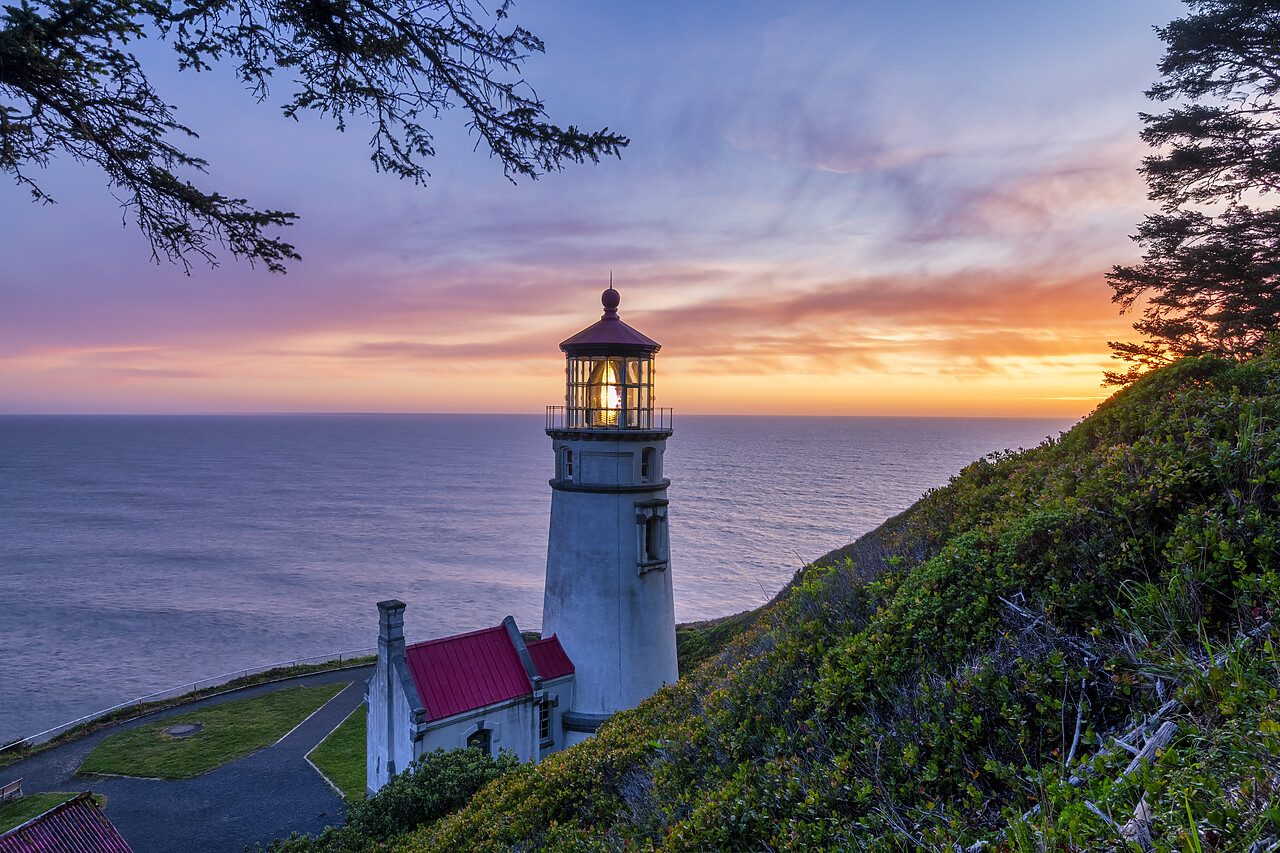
[{"x": 70, "y": 85}]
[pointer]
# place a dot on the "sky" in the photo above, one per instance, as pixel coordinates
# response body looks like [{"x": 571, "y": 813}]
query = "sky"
[{"x": 838, "y": 207}]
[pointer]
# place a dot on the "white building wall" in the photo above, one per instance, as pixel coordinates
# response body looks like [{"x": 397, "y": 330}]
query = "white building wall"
[
  {"x": 615, "y": 622},
  {"x": 509, "y": 725},
  {"x": 375, "y": 744}
]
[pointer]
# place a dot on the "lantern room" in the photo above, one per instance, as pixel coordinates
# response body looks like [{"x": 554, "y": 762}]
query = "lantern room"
[{"x": 609, "y": 377}]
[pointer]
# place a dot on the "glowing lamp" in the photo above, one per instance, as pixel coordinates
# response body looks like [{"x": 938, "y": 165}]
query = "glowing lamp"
[{"x": 605, "y": 393}]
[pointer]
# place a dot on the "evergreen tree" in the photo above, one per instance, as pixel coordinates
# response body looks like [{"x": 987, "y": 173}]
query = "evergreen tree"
[
  {"x": 70, "y": 84},
  {"x": 1211, "y": 269}
]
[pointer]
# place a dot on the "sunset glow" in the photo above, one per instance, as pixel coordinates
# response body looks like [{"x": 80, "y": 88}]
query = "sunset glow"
[{"x": 827, "y": 208}]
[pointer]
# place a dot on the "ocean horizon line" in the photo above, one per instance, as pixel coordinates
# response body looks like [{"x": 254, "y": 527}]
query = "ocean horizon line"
[{"x": 514, "y": 415}]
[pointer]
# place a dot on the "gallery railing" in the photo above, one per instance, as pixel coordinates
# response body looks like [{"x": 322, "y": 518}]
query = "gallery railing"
[{"x": 623, "y": 420}]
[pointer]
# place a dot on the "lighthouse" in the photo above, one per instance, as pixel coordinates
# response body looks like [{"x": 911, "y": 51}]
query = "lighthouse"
[{"x": 608, "y": 591}]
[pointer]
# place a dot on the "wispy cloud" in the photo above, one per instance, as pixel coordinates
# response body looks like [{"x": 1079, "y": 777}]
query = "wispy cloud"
[{"x": 819, "y": 190}]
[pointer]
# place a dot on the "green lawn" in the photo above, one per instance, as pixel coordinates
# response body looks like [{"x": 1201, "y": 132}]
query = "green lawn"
[
  {"x": 19, "y": 812},
  {"x": 229, "y": 731},
  {"x": 341, "y": 756}
]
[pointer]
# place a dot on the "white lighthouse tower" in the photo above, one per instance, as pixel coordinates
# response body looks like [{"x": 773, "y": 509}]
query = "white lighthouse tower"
[{"x": 608, "y": 593}]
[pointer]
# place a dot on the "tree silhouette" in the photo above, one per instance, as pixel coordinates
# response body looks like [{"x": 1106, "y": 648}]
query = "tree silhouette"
[
  {"x": 1211, "y": 266},
  {"x": 70, "y": 84}
]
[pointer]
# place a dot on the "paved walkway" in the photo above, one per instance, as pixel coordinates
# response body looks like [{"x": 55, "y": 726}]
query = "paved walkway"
[{"x": 263, "y": 796}]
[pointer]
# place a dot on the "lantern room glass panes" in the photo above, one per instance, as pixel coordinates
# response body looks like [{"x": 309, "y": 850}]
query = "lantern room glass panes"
[{"x": 610, "y": 392}]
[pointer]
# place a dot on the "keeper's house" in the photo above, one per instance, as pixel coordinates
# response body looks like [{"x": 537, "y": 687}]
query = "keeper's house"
[{"x": 487, "y": 689}]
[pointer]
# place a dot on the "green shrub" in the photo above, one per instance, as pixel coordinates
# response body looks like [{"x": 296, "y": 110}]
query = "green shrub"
[{"x": 432, "y": 786}]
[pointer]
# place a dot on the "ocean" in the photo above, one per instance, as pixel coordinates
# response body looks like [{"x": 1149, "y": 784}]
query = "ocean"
[{"x": 143, "y": 552}]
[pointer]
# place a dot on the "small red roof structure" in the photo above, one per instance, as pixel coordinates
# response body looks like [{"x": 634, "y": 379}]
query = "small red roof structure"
[
  {"x": 76, "y": 826},
  {"x": 549, "y": 658},
  {"x": 469, "y": 671},
  {"x": 609, "y": 335}
]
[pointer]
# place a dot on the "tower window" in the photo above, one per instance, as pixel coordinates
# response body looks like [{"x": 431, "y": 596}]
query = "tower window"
[
  {"x": 646, "y": 464},
  {"x": 651, "y": 536},
  {"x": 653, "y": 539},
  {"x": 568, "y": 464}
]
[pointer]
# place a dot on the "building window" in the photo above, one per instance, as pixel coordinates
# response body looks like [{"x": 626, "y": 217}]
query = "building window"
[
  {"x": 568, "y": 464},
  {"x": 651, "y": 535},
  {"x": 544, "y": 723},
  {"x": 653, "y": 550},
  {"x": 481, "y": 739},
  {"x": 646, "y": 464}
]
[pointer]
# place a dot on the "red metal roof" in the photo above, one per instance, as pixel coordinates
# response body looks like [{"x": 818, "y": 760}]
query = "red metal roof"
[
  {"x": 469, "y": 671},
  {"x": 466, "y": 671},
  {"x": 76, "y": 826},
  {"x": 549, "y": 658}
]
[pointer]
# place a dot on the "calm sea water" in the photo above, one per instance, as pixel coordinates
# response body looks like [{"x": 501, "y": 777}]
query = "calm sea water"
[{"x": 137, "y": 553}]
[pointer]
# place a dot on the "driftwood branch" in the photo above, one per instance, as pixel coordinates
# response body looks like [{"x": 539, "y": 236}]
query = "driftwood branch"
[
  {"x": 1158, "y": 741},
  {"x": 1136, "y": 731},
  {"x": 1156, "y": 733},
  {"x": 1128, "y": 746},
  {"x": 1265, "y": 845},
  {"x": 1075, "y": 740},
  {"x": 1106, "y": 818}
]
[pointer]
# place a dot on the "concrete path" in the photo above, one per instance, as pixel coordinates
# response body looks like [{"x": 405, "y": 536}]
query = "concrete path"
[{"x": 263, "y": 796}]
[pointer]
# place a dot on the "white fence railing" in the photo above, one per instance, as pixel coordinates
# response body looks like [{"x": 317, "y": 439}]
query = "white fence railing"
[{"x": 288, "y": 669}]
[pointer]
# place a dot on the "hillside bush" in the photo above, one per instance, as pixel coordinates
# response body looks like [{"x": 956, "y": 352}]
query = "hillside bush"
[
  {"x": 432, "y": 786},
  {"x": 960, "y": 677}
]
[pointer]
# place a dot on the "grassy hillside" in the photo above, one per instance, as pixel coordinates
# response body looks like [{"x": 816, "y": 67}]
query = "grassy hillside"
[{"x": 959, "y": 677}]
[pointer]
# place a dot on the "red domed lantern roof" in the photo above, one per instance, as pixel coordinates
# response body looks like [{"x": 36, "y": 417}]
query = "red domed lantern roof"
[{"x": 609, "y": 336}]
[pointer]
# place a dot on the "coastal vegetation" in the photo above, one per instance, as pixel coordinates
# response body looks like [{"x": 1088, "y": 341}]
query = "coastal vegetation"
[
  {"x": 222, "y": 733},
  {"x": 979, "y": 672},
  {"x": 697, "y": 642}
]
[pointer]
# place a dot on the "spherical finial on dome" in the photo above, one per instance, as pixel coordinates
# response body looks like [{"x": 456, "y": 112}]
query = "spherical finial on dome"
[{"x": 610, "y": 299}]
